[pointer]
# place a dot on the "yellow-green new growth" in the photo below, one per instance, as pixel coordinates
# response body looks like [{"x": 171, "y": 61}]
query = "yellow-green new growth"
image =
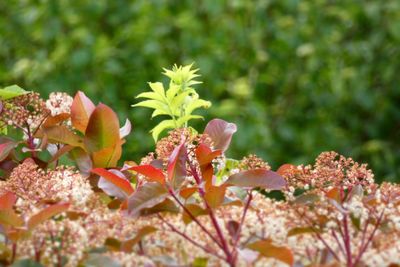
[{"x": 178, "y": 101}]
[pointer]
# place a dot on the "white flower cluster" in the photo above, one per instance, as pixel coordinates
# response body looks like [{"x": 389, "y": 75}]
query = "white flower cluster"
[{"x": 59, "y": 103}]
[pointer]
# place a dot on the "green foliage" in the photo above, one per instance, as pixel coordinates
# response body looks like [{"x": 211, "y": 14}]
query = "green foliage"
[
  {"x": 298, "y": 77},
  {"x": 11, "y": 92},
  {"x": 178, "y": 101}
]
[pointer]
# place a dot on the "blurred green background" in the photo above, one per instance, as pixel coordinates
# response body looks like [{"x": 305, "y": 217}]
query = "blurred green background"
[{"x": 297, "y": 77}]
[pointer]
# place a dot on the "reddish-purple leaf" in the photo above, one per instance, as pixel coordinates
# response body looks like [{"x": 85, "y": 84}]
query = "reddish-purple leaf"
[
  {"x": 102, "y": 130},
  {"x": 6, "y": 148},
  {"x": 119, "y": 182},
  {"x": 205, "y": 156},
  {"x": 54, "y": 120},
  {"x": 7, "y": 201},
  {"x": 61, "y": 134},
  {"x": 177, "y": 166},
  {"x": 46, "y": 214},
  {"x": 152, "y": 173},
  {"x": 81, "y": 109},
  {"x": 110, "y": 188},
  {"x": 257, "y": 178},
  {"x": 145, "y": 197},
  {"x": 221, "y": 133},
  {"x": 233, "y": 227},
  {"x": 166, "y": 206},
  {"x": 82, "y": 160},
  {"x": 268, "y": 250},
  {"x": 187, "y": 192}
]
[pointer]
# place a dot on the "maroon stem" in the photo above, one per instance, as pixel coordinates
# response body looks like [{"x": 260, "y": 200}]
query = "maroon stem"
[
  {"x": 229, "y": 257},
  {"x": 171, "y": 192},
  {"x": 364, "y": 248},
  {"x": 347, "y": 242},
  {"x": 185, "y": 236},
  {"x": 239, "y": 231},
  {"x": 14, "y": 252}
]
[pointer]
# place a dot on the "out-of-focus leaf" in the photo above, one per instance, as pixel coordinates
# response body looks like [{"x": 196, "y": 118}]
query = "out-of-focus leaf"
[
  {"x": 146, "y": 196},
  {"x": 81, "y": 110},
  {"x": 120, "y": 183},
  {"x": 152, "y": 173},
  {"x": 306, "y": 199},
  {"x": 233, "y": 227},
  {"x": 200, "y": 262},
  {"x": 215, "y": 195},
  {"x": 7, "y": 200},
  {"x": 300, "y": 230},
  {"x": 334, "y": 194},
  {"x": 195, "y": 210},
  {"x": 82, "y": 160},
  {"x": 257, "y": 178},
  {"x": 98, "y": 260},
  {"x": 268, "y": 250},
  {"x": 10, "y": 218},
  {"x": 46, "y": 214},
  {"x": 26, "y": 263},
  {"x": 127, "y": 246},
  {"x": 6, "y": 148},
  {"x": 166, "y": 206},
  {"x": 126, "y": 129},
  {"x": 11, "y": 92},
  {"x": 221, "y": 133},
  {"x": 285, "y": 168},
  {"x": 176, "y": 168},
  {"x": 54, "y": 120},
  {"x": 102, "y": 130},
  {"x": 187, "y": 192},
  {"x": 205, "y": 157}
]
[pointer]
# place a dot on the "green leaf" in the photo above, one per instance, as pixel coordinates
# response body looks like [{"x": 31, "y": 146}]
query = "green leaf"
[
  {"x": 26, "y": 263},
  {"x": 164, "y": 125},
  {"x": 197, "y": 103},
  {"x": 11, "y": 92},
  {"x": 200, "y": 262},
  {"x": 182, "y": 120},
  {"x": 154, "y": 104},
  {"x": 103, "y": 129}
]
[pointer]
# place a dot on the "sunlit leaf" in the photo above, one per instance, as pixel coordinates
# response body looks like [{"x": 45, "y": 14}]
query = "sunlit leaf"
[
  {"x": 8, "y": 217},
  {"x": 215, "y": 195},
  {"x": 81, "y": 110},
  {"x": 11, "y": 92},
  {"x": 164, "y": 125},
  {"x": 102, "y": 129},
  {"x": 152, "y": 173},
  {"x": 109, "y": 156},
  {"x": 221, "y": 133},
  {"x": 61, "y": 134}
]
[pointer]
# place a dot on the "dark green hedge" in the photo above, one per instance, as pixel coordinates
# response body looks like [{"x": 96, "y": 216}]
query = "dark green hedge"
[{"x": 298, "y": 77}]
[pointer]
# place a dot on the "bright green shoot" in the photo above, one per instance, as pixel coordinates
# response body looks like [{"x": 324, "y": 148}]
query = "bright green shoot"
[{"x": 177, "y": 102}]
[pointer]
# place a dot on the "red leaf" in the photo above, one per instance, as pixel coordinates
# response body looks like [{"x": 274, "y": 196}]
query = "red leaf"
[
  {"x": 46, "y": 214},
  {"x": 7, "y": 201},
  {"x": 81, "y": 109},
  {"x": 268, "y": 250},
  {"x": 205, "y": 156},
  {"x": 102, "y": 130},
  {"x": 221, "y": 133},
  {"x": 334, "y": 194},
  {"x": 108, "y": 157},
  {"x": 121, "y": 183},
  {"x": 187, "y": 192},
  {"x": 54, "y": 120},
  {"x": 110, "y": 188},
  {"x": 152, "y": 173},
  {"x": 257, "y": 178},
  {"x": 177, "y": 166}
]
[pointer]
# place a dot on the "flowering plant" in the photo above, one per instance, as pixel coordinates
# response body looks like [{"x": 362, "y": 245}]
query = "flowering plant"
[{"x": 186, "y": 203}]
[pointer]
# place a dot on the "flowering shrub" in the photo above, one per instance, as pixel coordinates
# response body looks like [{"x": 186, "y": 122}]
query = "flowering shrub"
[{"x": 186, "y": 203}]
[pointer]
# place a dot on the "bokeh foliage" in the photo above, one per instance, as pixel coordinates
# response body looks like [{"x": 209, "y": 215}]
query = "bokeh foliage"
[{"x": 298, "y": 77}]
